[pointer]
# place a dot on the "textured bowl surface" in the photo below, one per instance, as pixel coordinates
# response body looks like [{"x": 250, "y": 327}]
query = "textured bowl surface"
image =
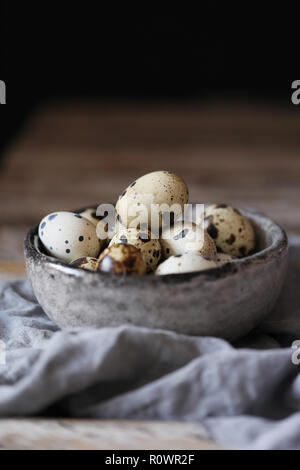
[{"x": 227, "y": 301}]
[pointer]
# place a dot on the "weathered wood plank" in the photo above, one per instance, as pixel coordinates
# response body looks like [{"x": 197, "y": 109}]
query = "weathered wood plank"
[{"x": 55, "y": 434}]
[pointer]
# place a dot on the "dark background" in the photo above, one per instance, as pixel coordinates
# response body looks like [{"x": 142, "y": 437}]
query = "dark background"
[{"x": 60, "y": 50}]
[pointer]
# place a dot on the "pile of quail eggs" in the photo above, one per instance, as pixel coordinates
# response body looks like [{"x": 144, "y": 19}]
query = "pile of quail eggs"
[{"x": 222, "y": 236}]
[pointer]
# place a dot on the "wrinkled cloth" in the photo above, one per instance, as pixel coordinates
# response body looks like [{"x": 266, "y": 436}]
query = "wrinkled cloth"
[{"x": 246, "y": 395}]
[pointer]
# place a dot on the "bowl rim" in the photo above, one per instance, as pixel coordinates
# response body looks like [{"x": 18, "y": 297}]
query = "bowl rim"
[{"x": 278, "y": 244}]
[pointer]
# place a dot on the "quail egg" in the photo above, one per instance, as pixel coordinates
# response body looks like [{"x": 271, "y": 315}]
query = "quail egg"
[
  {"x": 90, "y": 214},
  {"x": 223, "y": 258},
  {"x": 231, "y": 231},
  {"x": 88, "y": 263},
  {"x": 121, "y": 258},
  {"x": 152, "y": 200},
  {"x": 183, "y": 237},
  {"x": 149, "y": 247},
  {"x": 102, "y": 227},
  {"x": 188, "y": 262},
  {"x": 68, "y": 236}
]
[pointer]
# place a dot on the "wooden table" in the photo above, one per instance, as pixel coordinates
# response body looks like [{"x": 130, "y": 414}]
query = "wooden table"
[
  {"x": 74, "y": 154},
  {"x": 88, "y": 434}
]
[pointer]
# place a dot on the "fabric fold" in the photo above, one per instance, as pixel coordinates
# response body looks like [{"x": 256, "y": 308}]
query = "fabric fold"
[{"x": 247, "y": 395}]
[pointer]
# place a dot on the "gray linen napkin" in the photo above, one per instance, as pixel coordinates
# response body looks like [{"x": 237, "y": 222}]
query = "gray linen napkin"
[{"x": 246, "y": 395}]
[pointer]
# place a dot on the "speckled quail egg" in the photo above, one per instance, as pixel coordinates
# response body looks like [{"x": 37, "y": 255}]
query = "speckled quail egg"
[
  {"x": 231, "y": 231},
  {"x": 102, "y": 227},
  {"x": 161, "y": 188},
  {"x": 149, "y": 247},
  {"x": 88, "y": 263},
  {"x": 187, "y": 236},
  {"x": 122, "y": 259},
  {"x": 68, "y": 236},
  {"x": 188, "y": 262},
  {"x": 223, "y": 258},
  {"x": 90, "y": 214}
]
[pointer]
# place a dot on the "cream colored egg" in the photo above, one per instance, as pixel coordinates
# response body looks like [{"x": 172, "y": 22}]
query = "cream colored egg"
[
  {"x": 188, "y": 262},
  {"x": 149, "y": 247},
  {"x": 90, "y": 214},
  {"x": 223, "y": 258},
  {"x": 152, "y": 199},
  {"x": 231, "y": 231},
  {"x": 183, "y": 237},
  {"x": 68, "y": 236},
  {"x": 88, "y": 263},
  {"x": 102, "y": 227}
]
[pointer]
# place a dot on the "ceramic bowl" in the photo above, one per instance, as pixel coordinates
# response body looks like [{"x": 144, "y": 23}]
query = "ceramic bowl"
[{"x": 227, "y": 301}]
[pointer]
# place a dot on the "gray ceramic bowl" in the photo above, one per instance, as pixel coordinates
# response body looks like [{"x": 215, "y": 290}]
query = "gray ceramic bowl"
[{"x": 227, "y": 301}]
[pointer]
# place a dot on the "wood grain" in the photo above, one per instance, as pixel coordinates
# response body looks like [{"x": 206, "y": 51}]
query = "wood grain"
[
  {"x": 10, "y": 270},
  {"x": 73, "y": 434}
]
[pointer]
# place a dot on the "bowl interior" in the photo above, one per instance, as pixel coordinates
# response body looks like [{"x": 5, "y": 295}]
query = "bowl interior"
[{"x": 269, "y": 238}]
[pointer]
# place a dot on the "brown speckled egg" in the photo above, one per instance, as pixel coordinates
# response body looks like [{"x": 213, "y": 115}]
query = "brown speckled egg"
[
  {"x": 87, "y": 262},
  {"x": 184, "y": 237},
  {"x": 231, "y": 231},
  {"x": 133, "y": 208},
  {"x": 223, "y": 258},
  {"x": 121, "y": 258},
  {"x": 188, "y": 262},
  {"x": 149, "y": 247}
]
